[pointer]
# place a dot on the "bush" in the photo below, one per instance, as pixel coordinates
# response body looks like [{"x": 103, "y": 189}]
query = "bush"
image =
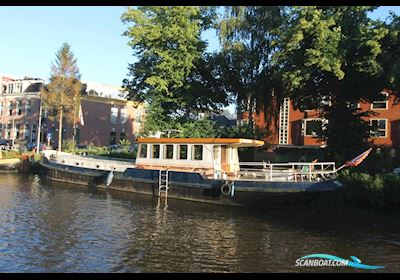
[{"x": 379, "y": 192}]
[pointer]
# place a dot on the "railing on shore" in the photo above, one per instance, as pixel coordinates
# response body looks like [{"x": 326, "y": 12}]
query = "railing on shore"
[{"x": 281, "y": 172}]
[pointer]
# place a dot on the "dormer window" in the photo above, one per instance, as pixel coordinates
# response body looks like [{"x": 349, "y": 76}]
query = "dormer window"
[{"x": 381, "y": 105}]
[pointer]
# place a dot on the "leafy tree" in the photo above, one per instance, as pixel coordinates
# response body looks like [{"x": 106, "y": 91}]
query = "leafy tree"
[
  {"x": 62, "y": 95},
  {"x": 248, "y": 36},
  {"x": 336, "y": 54},
  {"x": 173, "y": 75}
]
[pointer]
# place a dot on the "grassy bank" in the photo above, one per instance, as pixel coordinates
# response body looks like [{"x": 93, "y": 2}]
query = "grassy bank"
[{"x": 380, "y": 192}]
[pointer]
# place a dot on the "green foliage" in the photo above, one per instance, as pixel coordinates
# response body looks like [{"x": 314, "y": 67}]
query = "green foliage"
[
  {"x": 379, "y": 192},
  {"x": 248, "y": 35},
  {"x": 336, "y": 54},
  {"x": 68, "y": 146},
  {"x": 124, "y": 143},
  {"x": 203, "y": 128},
  {"x": 64, "y": 88},
  {"x": 9, "y": 154},
  {"x": 172, "y": 67},
  {"x": 105, "y": 152},
  {"x": 61, "y": 97}
]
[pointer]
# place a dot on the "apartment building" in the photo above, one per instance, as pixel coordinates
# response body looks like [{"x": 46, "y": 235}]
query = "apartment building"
[
  {"x": 295, "y": 129},
  {"x": 107, "y": 118}
]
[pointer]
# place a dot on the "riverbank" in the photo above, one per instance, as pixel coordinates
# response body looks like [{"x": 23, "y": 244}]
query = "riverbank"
[{"x": 380, "y": 192}]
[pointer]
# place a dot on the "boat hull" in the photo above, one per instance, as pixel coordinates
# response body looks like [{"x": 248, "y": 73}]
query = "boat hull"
[
  {"x": 193, "y": 187},
  {"x": 10, "y": 165}
]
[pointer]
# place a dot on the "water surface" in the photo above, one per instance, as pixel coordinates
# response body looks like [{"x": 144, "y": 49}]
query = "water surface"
[{"x": 55, "y": 227}]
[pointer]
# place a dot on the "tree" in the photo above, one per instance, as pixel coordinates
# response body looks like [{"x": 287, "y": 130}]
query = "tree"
[
  {"x": 173, "y": 74},
  {"x": 62, "y": 95},
  {"x": 248, "y": 36},
  {"x": 334, "y": 56}
]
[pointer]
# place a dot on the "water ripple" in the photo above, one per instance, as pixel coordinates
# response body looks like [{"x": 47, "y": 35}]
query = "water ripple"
[{"x": 52, "y": 227}]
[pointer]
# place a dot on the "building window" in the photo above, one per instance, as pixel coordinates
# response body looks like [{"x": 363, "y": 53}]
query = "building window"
[
  {"x": 33, "y": 133},
  {"x": 313, "y": 127},
  {"x": 155, "y": 151},
  {"x": 124, "y": 115},
  {"x": 183, "y": 151},
  {"x": 1, "y": 108},
  {"x": 28, "y": 107},
  {"x": 169, "y": 151},
  {"x": 27, "y": 133},
  {"x": 143, "y": 150},
  {"x": 113, "y": 137},
  {"x": 378, "y": 128},
  {"x": 197, "y": 153},
  {"x": 10, "y": 108},
  {"x": 17, "y": 131},
  {"x": 8, "y": 131},
  {"x": 19, "y": 107},
  {"x": 353, "y": 105},
  {"x": 114, "y": 114},
  {"x": 122, "y": 136},
  {"x": 381, "y": 105}
]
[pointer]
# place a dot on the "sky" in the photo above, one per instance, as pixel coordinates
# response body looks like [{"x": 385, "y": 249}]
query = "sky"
[{"x": 32, "y": 35}]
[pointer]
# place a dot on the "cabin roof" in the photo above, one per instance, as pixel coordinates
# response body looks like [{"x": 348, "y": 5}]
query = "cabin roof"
[{"x": 242, "y": 142}]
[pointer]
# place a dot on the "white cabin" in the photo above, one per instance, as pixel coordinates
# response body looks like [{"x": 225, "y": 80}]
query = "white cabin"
[{"x": 210, "y": 156}]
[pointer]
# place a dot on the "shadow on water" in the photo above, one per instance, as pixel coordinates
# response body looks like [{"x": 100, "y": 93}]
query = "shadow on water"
[{"x": 62, "y": 227}]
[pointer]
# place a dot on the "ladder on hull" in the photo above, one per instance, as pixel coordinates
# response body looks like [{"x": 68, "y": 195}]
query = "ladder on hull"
[{"x": 163, "y": 183}]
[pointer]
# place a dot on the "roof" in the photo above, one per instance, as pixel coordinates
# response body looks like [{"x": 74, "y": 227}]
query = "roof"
[{"x": 224, "y": 141}]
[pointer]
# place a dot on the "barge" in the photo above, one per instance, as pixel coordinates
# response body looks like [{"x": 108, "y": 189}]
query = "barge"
[{"x": 198, "y": 169}]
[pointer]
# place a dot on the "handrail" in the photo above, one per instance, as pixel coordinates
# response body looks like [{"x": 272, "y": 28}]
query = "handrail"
[{"x": 291, "y": 171}]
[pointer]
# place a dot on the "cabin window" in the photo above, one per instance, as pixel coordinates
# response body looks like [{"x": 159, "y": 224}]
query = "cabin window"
[
  {"x": 143, "y": 150},
  {"x": 169, "y": 151},
  {"x": 183, "y": 151},
  {"x": 156, "y": 151},
  {"x": 197, "y": 152}
]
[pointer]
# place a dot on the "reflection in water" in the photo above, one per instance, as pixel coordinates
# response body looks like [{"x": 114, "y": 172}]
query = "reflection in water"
[{"x": 54, "y": 227}]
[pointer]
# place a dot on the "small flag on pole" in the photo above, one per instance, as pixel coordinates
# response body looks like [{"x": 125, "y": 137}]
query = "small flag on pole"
[
  {"x": 358, "y": 159},
  {"x": 81, "y": 116}
]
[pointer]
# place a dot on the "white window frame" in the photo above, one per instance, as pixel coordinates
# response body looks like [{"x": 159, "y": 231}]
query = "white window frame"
[
  {"x": 312, "y": 119},
  {"x": 193, "y": 152},
  {"x": 386, "y": 127},
  {"x": 114, "y": 110},
  {"x": 386, "y": 102}
]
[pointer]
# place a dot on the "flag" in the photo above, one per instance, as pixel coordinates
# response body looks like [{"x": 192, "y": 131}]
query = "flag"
[
  {"x": 80, "y": 116},
  {"x": 358, "y": 159}
]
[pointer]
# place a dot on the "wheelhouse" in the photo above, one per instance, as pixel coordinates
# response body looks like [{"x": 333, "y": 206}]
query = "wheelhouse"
[{"x": 209, "y": 156}]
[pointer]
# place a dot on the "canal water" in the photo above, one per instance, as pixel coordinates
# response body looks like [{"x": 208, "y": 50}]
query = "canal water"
[{"x": 55, "y": 227}]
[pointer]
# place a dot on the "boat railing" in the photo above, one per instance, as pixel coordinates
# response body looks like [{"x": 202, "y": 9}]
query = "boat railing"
[
  {"x": 87, "y": 162},
  {"x": 291, "y": 171}
]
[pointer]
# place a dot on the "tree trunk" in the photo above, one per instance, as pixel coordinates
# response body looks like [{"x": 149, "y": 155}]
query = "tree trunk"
[{"x": 60, "y": 130}]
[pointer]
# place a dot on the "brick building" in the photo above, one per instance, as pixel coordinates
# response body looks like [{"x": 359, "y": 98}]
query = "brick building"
[
  {"x": 108, "y": 117},
  {"x": 295, "y": 129}
]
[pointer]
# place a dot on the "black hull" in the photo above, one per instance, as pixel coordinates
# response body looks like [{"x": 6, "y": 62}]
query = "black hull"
[{"x": 189, "y": 187}]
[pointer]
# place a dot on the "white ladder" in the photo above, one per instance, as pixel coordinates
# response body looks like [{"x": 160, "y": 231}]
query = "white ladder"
[{"x": 163, "y": 182}]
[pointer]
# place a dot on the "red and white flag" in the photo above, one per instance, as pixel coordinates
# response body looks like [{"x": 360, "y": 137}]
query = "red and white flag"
[{"x": 358, "y": 159}]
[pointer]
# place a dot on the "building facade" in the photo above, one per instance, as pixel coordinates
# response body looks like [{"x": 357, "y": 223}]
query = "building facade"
[
  {"x": 299, "y": 129},
  {"x": 106, "y": 119}
]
